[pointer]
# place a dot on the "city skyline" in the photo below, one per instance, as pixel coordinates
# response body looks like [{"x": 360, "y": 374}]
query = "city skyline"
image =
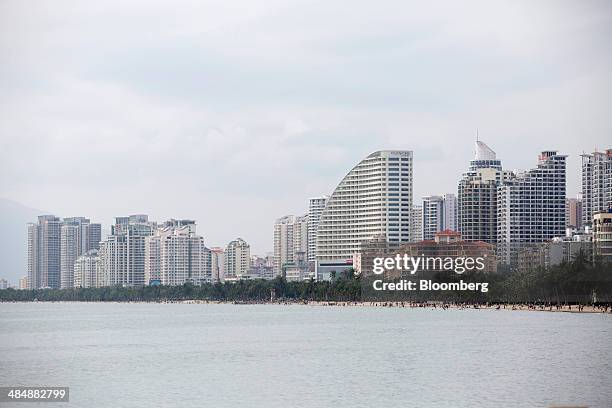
[
  {"x": 205, "y": 103},
  {"x": 479, "y": 146},
  {"x": 511, "y": 209},
  {"x": 269, "y": 247}
]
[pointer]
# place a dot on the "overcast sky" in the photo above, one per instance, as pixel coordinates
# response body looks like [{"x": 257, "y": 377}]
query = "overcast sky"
[{"x": 234, "y": 113}]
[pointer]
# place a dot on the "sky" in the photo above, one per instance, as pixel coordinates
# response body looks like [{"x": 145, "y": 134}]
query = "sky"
[{"x": 234, "y": 113}]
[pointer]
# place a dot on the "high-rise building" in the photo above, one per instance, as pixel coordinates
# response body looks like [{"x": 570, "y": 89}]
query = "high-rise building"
[
  {"x": 175, "y": 255},
  {"x": 450, "y": 218},
  {"x": 316, "y": 205},
  {"x": 237, "y": 259},
  {"x": 23, "y": 283},
  {"x": 596, "y": 184},
  {"x": 217, "y": 264},
  {"x": 439, "y": 214},
  {"x": 283, "y": 242},
  {"x": 44, "y": 254},
  {"x": 602, "y": 235},
  {"x": 477, "y": 196},
  {"x": 4, "y": 284},
  {"x": 88, "y": 271},
  {"x": 416, "y": 224},
  {"x": 573, "y": 213},
  {"x": 300, "y": 236},
  {"x": 374, "y": 198},
  {"x": 531, "y": 206},
  {"x": 70, "y": 248},
  {"x": 78, "y": 235},
  {"x": 123, "y": 252},
  {"x": 433, "y": 216},
  {"x": 290, "y": 237},
  {"x": 587, "y": 189}
]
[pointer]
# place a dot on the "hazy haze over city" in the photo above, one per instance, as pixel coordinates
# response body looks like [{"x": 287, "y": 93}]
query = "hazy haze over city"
[{"x": 235, "y": 113}]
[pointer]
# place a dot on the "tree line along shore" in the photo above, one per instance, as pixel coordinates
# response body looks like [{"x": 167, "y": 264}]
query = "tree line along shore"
[{"x": 577, "y": 282}]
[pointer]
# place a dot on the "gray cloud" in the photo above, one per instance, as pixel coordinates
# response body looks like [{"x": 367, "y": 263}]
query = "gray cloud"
[{"x": 234, "y": 113}]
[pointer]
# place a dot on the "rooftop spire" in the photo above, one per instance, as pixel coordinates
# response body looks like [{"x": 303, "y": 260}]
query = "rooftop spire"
[{"x": 483, "y": 152}]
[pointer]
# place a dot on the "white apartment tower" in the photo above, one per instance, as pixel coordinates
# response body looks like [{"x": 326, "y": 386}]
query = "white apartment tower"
[
  {"x": 373, "y": 199},
  {"x": 433, "y": 216},
  {"x": 70, "y": 248},
  {"x": 531, "y": 206},
  {"x": 78, "y": 235},
  {"x": 88, "y": 271},
  {"x": 416, "y": 224},
  {"x": 53, "y": 247},
  {"x": 175, "y": 255},
  {"x": 316, "y": 205},
  {"x": 237, "y": 259},
  {"x": 44, "y": 254},
  {"x": 596, "y": 184},
  {"x": 290, "y": 238},
  {"x": 123, "y": 252}
]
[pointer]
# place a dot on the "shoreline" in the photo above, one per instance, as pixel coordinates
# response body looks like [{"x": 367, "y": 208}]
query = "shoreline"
[{"x": 603, "y": 309}]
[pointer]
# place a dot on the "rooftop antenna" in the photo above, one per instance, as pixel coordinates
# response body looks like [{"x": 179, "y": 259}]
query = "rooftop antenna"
[{"x": 476, "y": 134}]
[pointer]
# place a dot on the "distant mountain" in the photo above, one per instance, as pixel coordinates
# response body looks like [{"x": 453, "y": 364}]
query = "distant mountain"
[{"x": 14, "y": 218}]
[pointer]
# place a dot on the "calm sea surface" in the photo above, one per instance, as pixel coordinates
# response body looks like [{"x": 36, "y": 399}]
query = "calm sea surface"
[{"x": 182, "y": 355}]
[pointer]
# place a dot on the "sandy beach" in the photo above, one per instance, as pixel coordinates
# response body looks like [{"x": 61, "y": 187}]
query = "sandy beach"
[
  {"x": 565, "y": 308},
  {"x": 605, "y": 309}
]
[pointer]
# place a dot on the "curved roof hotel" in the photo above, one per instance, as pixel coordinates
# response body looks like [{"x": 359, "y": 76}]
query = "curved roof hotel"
[{"x": 373, "y": 199}]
